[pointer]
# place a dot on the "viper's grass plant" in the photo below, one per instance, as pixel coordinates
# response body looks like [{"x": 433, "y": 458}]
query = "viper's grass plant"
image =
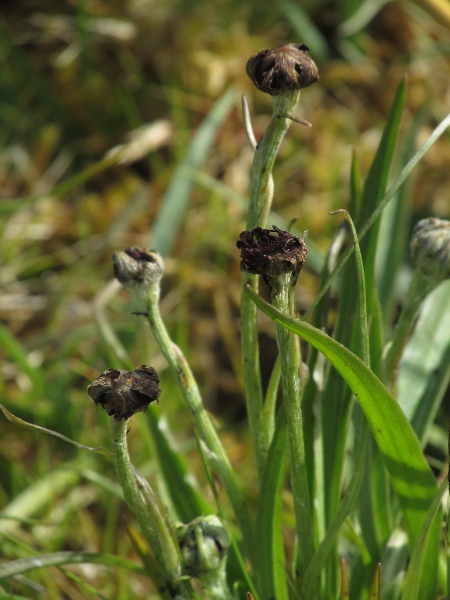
[{"x": 339, "y": 435}]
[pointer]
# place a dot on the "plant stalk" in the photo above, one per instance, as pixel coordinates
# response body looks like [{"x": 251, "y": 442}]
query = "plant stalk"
[
  {"x": 260, "y": 201},
  {"x": 289, "y": 348},
  {"x": 189, "y": 389},
  {"x": 148, "y": 515}
]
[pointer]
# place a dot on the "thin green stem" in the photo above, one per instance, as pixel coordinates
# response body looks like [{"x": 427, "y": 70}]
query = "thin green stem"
[
  {"x": 417, "y": 292},
  {"x": 289, "y": 348},
  {"x": 146, "y": 512},
  {"x": 260, "y": 202},
  {"x": 189, "y": 389}
]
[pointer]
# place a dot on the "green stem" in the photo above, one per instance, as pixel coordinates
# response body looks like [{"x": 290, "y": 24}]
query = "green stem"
[
  {"x": 189, "y": 389},
  {"x": 147, "y": 514},
  {"x": 260, "y": 202},
  {"x": 417, "y": 292},
  {"x": 289, "y": 348}
]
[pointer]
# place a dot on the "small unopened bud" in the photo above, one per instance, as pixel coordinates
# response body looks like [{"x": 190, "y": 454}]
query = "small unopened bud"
[
  {"x": 430, "y": 248},
  {"x": 124, "y": 393},
  {"x": 138, "y": 268},
  {"x": 204, "y": 545},
  {"x": 271, "y": 253},
  {"x": 285, "y": 68}
]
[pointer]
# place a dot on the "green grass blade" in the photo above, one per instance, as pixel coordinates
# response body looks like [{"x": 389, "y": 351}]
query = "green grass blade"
[
  {"x": 375, "y": 187},
  {"x": 410, "y": 474},
  {"x": 25, "y": 425},
  {"x": 352, "y": 492},
  {"x": 185, "y": 498},
  {"x": 400, "y": 179},
  {"x": 270, "y": 402},
  {"x": 36, "y": 497},
  {"x": 424, "y": 376},
  {"x": 421, "y": 577},
  {"x": 23, "y": 565},
  {"x": 176, "y": 199},
  {"x": 374, "y": 593},
  {"x": 20, "y": 356},
  {"x": 269, "y": 537},
  {"x": 305, "y": 29}
]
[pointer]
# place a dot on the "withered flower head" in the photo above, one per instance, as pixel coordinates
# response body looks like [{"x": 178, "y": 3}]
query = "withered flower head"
[
  {"x": 430, "y": 248},
  {"x": 285, "y": 68},
  {"x": 124, "y": 393},
  {"x": 138, "y": 267},
  {"x": 271, "y": 252},
  {"x": 204, "y": 545}
]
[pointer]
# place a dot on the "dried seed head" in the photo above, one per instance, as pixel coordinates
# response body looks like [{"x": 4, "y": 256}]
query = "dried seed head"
[
  {"x": 204, "y": 545},
  {"x": 271, "y": 252},
  {"x": 285, "y": 68},
  {"x": 124, "y": 393},
  {"x": 430, "y": 248},
  {"x": 138, "y": 267}
]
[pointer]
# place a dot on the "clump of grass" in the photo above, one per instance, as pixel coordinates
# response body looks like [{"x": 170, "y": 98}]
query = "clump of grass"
[{"x": 354, "y": 508}]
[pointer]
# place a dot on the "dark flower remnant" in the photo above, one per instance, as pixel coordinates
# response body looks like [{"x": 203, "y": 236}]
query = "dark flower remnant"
[
  {"x": 285, "y": 68},
  {"x": 137, "y": 267},
  {"x": 271, "y": 253},
  {"x": 124, "y": 393}
]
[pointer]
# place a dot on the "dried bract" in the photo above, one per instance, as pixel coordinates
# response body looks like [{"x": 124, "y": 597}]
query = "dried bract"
[
  {"x": 124, "y": 393},
  {"x": 282, "y": 69},
  {"x": 138, "y": 267},
  {"x": 271, "y": 252}
]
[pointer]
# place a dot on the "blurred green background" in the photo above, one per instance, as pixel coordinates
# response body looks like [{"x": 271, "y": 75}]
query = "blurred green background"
[{"x": 81, "y": 78}]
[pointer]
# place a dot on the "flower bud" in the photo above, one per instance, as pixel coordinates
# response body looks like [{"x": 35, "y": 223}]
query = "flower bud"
[
  {"x": 124, "y": 393},
  {"x": 282, "y": 69},
  {"x": 138, "y": 267},
  {"x": 430, "y": 248},
  {"x": 204, "y": 545},
  {"x": 271, "y": 253}
]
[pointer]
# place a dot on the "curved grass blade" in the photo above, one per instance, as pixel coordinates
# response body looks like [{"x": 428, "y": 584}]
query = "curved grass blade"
[
  {"x": 21, "y": 423},
  {"x": 22, "y": 565},
  {"x": 401, "y": 177},
  {"x": 176, "y": 198},
  {"x": 420, "y": 581},
  {"x": 36, "y": 497},
  {"x": 410, "y": 474},
  {"x": 20, "y": 355}
]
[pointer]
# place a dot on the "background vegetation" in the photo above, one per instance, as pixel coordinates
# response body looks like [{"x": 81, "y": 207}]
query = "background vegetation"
[{"x": 77, "y": 79}]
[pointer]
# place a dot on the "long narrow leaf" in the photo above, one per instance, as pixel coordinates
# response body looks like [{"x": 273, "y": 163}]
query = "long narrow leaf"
[
  {"x": 22, "y": 565},
  {"x": 176, "y": 199},
  {"x": 410, "y": 474},
  {"x": 185, "y": 498},
  {"x": 417, "y": 574},
  {"x": 269, "y": 538},
  {"x": 25, "y": 425},
  {"x": 424, "y": 377}
]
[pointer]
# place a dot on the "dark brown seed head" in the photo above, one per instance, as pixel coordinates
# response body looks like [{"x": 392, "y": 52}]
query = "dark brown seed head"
[
  {"x": 285, "y": 68},
  {"x": 271, "y": 252},
  {"x": 124, "y": 393}
]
